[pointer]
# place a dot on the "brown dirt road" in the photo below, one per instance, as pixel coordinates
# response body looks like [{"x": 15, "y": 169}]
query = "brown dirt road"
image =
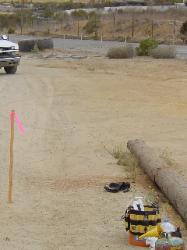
[{"x": 71, "y": 110}]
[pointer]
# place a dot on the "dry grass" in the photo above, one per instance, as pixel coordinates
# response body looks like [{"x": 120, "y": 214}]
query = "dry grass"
[
  {"x": 167, "y": 52},
  {"x": 126, "y": 159},
  {"x": 152, "y": 196},
  {"x": 117, "y": 151},
  {"x": 121, "y": 52}
]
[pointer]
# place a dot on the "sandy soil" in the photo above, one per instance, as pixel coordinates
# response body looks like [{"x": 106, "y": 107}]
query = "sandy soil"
[{"x": 72, "y": 110}]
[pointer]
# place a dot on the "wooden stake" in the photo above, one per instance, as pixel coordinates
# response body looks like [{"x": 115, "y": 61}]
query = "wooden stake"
[{"x": 10, "y": 184}]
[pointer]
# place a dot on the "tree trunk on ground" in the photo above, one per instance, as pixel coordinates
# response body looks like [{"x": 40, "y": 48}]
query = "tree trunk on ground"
[{"x": 173, "y": 185}]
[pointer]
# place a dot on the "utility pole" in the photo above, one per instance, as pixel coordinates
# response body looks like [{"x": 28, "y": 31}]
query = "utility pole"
[
  {"x": 78, "y": 28},
  {"x": 132, "y": 26},
  {"x": 152, "y": 29},
  {"x": 22, "y": 9},
  {"x": 174, "y": 31}
]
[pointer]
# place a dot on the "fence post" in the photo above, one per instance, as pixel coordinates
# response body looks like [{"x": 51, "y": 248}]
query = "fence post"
[
  {"x": 102, "y": 37},
  {"x": 125, "y": 40}
]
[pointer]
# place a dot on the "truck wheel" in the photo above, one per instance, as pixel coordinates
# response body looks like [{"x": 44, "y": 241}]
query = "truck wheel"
[{"x": 11, "y": 69}]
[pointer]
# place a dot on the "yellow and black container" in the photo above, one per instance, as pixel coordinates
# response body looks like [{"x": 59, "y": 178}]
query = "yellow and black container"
[{"x": 138, "y": 222}]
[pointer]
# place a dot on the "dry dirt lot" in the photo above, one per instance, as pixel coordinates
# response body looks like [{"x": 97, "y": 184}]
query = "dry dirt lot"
[{"x": 72, "y": 110}]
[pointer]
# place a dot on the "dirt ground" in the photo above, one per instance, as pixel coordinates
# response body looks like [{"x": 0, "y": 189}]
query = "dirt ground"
[{"x": 72, "y": 110}]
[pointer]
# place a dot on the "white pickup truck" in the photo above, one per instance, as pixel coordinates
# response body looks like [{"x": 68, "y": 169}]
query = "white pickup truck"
[{"x": 9, "y": 55}]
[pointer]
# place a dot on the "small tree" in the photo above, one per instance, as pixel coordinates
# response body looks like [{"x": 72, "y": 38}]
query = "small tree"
[
  {"x": 93, "y": 24},
  {"x": 48, "y": 13},
  {"x": 24, "y": 18},
  {"x": 183, "y": 29},
  {"x": 146, "y": 46},
  {"x": 79, "y": 15},
  {"x": 62, "y": 17},
  {"x": 11, "y": 30}
]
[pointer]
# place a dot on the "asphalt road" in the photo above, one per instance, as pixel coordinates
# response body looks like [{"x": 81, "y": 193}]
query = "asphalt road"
[{"x": 92, "y": 46}]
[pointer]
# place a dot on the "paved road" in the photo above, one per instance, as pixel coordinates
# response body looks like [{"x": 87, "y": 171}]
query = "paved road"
[
  {"x": 106, "y": 10},
  {"x": 97, "y": 47},
  {"x": 182, "y": 52}
]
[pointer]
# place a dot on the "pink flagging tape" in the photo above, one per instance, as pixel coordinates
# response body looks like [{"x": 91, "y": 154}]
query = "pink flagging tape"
[
  {"x": 20, "y": 125},
  {"x": 13, "y": 115}
]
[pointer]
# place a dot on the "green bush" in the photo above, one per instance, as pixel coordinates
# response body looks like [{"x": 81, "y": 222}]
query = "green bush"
[
  {"x": 146, "y": 46},
  {"x": 183, "y": 29},
  {"x": 27, "y": 45},
  {"x": 121, "y": 52},
  {"x": 45, "y": 43},
  {"x": 34, "y": 45},
  {"x": 93, "y": 24},
  {"x": 164, "y": 52},
  {"x": 79, "y": 14},
  {"x": 11, "y": 30}
]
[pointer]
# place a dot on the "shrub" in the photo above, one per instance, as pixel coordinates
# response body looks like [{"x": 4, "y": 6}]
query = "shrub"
[
  {"x": 146, "y": 46},
  {"x": 93, "y": 24},
  {"x": 121, "y": 52},
  {"x": 30, "y": 45},
  {"x": 183, "y": 29},
  {"x": 164, "y": 52},
  {"x": 26, "y": 45},
  {"x": 11, "y": 30},
  {"x": 79, "y": 14},
  {"x": 46, "y": 43},
  {"x": 183, "y": 32},
  {"x": 125, "y": 158}
]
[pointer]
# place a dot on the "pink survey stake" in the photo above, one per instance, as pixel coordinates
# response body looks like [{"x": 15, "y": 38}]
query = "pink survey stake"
[{"x": 14, "y": 116}]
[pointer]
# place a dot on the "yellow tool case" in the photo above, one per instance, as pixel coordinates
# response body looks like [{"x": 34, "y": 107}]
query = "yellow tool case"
[{"x": 139, "y": 222}]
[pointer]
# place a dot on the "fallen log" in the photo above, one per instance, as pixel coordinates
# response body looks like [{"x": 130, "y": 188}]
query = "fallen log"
[{"x": 171, "y": 183}]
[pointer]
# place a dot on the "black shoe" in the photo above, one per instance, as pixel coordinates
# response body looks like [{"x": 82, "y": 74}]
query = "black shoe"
[{"x": 116, "y": 187}]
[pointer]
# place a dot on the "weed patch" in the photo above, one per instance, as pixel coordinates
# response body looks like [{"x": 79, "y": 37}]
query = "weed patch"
[{"x": 121, "y": 52}]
